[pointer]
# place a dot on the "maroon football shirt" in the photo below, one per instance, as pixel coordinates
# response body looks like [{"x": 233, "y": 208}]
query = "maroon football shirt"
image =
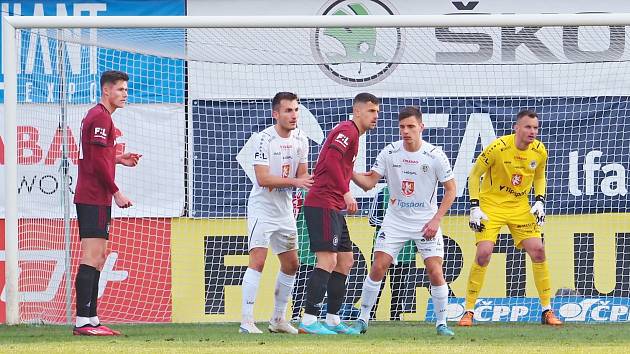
[
  {"x": 333, "y": 170},
  {"x": 97, "y": 163}
]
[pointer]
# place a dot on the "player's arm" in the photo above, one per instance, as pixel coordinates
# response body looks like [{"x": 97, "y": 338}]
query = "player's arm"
[
  {"x": 540, "y": 188},
  {"x": 481, "y": 166},
  {"x": 450, "y": 192},
  {"x": 128, "y": 159},
  {"x": 267, "y": 180},
  {"x": 367, "y": 180}
]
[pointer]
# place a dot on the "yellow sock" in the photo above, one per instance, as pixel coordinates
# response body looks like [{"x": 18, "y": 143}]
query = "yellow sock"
[
  {"x": 543, "y": 284},
  {"x": 475, "y": 282}
]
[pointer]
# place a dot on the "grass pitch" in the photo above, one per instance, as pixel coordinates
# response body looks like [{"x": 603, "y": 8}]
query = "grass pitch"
[{"x": 386, "y": 337}]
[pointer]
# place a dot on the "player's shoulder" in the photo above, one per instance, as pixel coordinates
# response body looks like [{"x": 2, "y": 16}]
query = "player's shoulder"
[
  {"x": 299, "y": 135},
  {"x": 348, "y": 127},
  {"x": 98, "y": 113},
  {"x": 539, "y": 148},
  {"x": 433, "y": 151},
  {"x": 267, "y": 134},
  {"x": 393, "y": 148},
  {"x": 500, "y": 144}
]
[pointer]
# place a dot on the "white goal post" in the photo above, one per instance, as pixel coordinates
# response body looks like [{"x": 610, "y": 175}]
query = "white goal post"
[{"x": 10, "y": 61}]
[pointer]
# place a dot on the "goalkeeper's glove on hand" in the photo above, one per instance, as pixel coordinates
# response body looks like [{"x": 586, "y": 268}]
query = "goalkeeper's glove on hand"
[
  {"x": 538, "y": 209},
  {"x": 476, "y": 215}
]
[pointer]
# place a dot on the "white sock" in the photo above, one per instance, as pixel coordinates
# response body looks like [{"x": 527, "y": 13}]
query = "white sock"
[
  {"x": 545, "y": 308},
  {"x": 309, "y": 319},
  {"x": 284, "y": 287},
  {"x": 332, "y": 320},
  {"x": 439, "y": 295},
  {"x": 368, "y": 297},
  {"x": 251, "y": 280},
  {"x": 82, "y": 321},
  {"x": 94, "y": 321}
]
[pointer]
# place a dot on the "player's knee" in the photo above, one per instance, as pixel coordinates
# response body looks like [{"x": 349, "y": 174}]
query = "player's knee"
[
  {"x": 290, "y": 267},
  {"x": 377, "y": 272},
  {"x": 345, "y": 265},
  {"x": 537, "y": 254},
  {"x": 483, "y": 258}
]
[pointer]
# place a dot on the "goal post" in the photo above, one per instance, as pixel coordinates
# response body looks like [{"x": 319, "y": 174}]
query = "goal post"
[{"x": 206, "y": 84}]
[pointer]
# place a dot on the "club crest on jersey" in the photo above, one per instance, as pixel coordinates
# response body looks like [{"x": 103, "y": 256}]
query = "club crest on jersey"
[
  {"x": 517, "y": 179},
  {"x": 286, "y": 170},
  {"x": 533, "y": 164},
  {"x": 408, "y": 188},
  {"x": 425, "y": 168}
]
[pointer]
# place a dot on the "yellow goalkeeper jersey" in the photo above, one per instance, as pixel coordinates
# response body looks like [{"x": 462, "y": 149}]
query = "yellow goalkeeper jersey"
[{"x": 508, "y": 175}]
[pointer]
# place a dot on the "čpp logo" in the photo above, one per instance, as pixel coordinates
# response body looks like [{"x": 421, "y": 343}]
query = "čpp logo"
[
  {"x": 593, "y": 310},
  {"x": 489, "y": 311}
]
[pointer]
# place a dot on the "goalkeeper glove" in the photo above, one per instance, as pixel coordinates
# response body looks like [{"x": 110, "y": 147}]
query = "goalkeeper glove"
[
  {"x": 538, "y": 209},
  {"x": 476, "y": 215}
]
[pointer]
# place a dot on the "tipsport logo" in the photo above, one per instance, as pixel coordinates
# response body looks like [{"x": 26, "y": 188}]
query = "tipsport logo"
[{"x": 357, "y": 57}]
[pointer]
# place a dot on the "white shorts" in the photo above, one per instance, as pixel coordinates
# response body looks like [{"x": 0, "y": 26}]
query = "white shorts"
[
  {"x": 392, "y": 241},
  {"x": 281, "y": 237}
]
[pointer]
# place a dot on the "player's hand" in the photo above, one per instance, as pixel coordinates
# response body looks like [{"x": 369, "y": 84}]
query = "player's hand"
[
  {"x": 122, "y": 201},
  {"x": 351, "y": 203},
  {"x": 476, "y": 215},
  {"x": 129, "y": 159},
  {"x": 430, "y": 229},
  {"x": 303, "y": 182},
  {"x": 538, "y": 209}
]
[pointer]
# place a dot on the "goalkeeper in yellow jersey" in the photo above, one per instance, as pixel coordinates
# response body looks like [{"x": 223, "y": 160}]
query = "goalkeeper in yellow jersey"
[{"x": 510, "y": 166}]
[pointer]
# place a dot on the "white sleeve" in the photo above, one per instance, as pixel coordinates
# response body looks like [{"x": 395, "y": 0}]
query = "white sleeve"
[
  {"x": 380, "y": 165},
  {"x": 443, "y": 168},
  {"x": 303, "y": 150},
  {"x": 261, "y": 150}
]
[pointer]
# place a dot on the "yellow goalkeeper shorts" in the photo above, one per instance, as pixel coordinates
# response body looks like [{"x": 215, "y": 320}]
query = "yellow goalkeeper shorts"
[{"x": 521, "y": 222}]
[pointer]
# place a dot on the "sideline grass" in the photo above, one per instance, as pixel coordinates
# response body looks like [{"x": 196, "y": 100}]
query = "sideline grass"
[{"x": 400, "y": 337}]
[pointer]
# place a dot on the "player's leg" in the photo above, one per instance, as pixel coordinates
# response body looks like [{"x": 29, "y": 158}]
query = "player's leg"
[
  {"x": 258, "y": 242},
  {"x": 432, "y": 252},
  {"x": 285, "y": 246},
  {"x": 526, "y": 234},
  {"x": 318, "y": 222},
  {"x": 485, "y": 246},
  {"x": 93, "y": 231},
  {"x": 386, "y": 249}
]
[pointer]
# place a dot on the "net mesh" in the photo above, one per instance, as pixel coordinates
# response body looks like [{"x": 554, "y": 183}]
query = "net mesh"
[{"x": 198, "y": 95}]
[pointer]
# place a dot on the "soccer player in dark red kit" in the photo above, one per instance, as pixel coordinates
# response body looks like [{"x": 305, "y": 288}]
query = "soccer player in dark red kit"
[
  {"x": 93, "y": 197},
  {"x": 327, "y": 229}
]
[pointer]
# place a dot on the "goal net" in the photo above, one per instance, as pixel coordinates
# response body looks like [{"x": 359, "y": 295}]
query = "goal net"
[{"x": 198, "y": 95}]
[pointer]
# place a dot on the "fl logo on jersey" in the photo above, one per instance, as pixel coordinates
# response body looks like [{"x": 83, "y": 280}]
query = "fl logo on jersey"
[{"x": 357, "y": 57}]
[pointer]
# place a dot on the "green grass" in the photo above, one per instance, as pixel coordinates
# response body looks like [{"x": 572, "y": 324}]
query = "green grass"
[{"x": 400, "y": 337}]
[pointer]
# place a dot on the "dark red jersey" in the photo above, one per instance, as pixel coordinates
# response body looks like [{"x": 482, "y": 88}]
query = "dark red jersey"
[
  {"x": 334, "y": 168},
  {"x": 97, "y": 163}
]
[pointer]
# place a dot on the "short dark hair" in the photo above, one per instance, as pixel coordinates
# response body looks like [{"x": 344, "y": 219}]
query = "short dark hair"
[
  {"x": 281, "y": 96},
  {"x": 113, "y": 76},
  {"x": 365, "y": 97},
  {"x": 410, "y": 111},
  {"x": 526, "y": 113}
]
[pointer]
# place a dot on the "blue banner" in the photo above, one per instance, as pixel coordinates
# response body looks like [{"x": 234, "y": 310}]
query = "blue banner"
[
  {"x": 586, "y": 138},
  {"x": 568, "y": 309},
  {"x": 153, "y": 79}
]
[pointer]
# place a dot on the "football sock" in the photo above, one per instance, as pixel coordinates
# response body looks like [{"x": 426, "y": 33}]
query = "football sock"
[
  {"x": 284, "y": 287},
  {"x": 368, "y": 297},
  {"x": 336, "y": 292},
  {"x": 316, "y": 287},
  {"x": 251, "y": 280},
  {"x": 439, "y": 295},
  {"x": 94, "y": 321},
  {"x": 543, "y": 284},
  {"x": 83, "y": 285},
  {"x": 475, "y": 282},
  {"x": 332, "y": 320},
  {"x": 94, "y": 299}
]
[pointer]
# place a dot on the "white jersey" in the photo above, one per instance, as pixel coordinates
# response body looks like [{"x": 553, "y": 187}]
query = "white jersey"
[
  {"x": 412, "y": 178},
  {"x": 282, "y": 155}
]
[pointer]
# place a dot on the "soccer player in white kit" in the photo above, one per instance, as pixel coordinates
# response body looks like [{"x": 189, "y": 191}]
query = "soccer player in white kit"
[
  {"x": 413, "y": 168},
  {"x": 280, "y": 164}
]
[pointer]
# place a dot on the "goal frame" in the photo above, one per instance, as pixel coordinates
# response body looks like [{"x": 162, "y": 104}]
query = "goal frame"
[{"x": 12, "y": 23}]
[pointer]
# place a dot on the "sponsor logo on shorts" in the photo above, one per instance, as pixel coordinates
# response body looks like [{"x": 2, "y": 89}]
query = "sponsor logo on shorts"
[{"x": 335, "y": 240}]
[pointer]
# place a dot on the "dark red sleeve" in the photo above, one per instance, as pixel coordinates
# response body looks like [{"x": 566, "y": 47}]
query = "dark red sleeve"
[
  {"x": 342, "y": 139},
  {"x": 100, "y": 129},
  {"x": 103, "y": 168},
  {"x": 332, "y": 164}
]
